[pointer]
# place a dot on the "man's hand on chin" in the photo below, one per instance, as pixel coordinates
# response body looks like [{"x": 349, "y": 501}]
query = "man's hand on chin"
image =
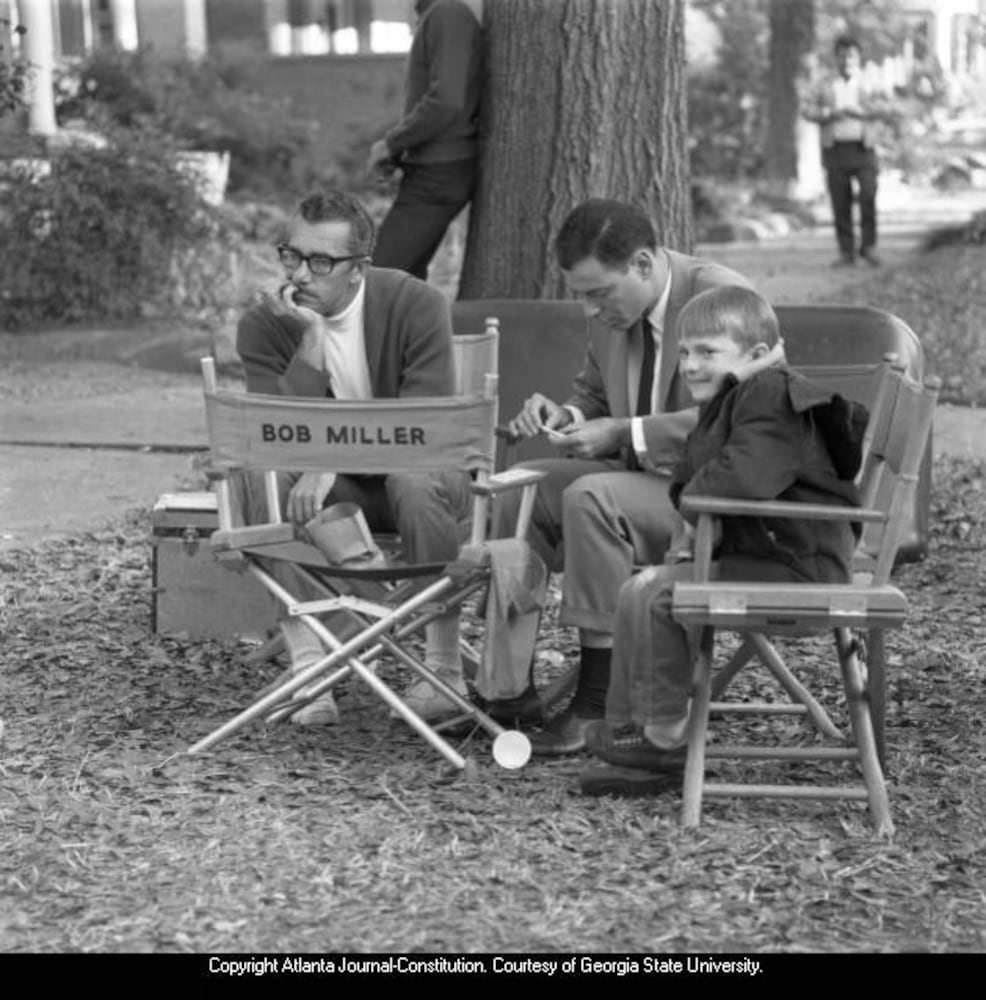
[{"x": 283, "y": 303}]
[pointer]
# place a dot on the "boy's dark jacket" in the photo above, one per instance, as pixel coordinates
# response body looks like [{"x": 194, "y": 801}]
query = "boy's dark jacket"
[{"x": 772, "y": 436}]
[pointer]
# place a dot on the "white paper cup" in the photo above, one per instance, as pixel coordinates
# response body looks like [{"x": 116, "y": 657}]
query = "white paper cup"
[{"x": 511, "y": 749}]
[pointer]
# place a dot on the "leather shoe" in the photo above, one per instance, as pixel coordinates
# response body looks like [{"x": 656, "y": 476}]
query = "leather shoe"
[
  {"x": 626, "y": 746},
  {"x": 627, "y": 782},
  {"x": 871, "y": 257},
  {"x": 524, "y": 710},
  {"x": 844, "y": 260},
  {"x": 564, "y": 734}
]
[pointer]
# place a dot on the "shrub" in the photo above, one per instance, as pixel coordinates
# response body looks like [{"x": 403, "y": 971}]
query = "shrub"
[
  {"x": 109, "y": 233},
  {"x": 13, "y": 86},
  {"x": 201, "y": 104}
]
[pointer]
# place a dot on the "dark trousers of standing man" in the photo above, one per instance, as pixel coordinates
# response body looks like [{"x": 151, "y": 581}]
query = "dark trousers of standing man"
[
  {"x": 430, "y": 196},
  {"x": 844, "y": 161}
]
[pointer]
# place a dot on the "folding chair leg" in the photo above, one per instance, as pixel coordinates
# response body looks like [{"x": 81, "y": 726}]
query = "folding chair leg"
[
  {"x": 698, "y": 725},
  {"x": 724, "y": 676},
  {"x": 340, "y": 652},
  {"x": 859, "y": 714},
  {"x": 876, "y": 688},
  {"x": 795, "y": 689}
]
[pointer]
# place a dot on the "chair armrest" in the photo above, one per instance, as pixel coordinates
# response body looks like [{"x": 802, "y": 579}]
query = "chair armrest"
[
  {"x": 734, "y": 507},
  {"x": 254, "y": 534},
  {"x": 511, "y": 479}
]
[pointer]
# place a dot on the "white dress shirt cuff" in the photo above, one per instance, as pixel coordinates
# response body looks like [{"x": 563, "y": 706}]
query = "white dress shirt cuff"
[{"x": 637, "y": 435}]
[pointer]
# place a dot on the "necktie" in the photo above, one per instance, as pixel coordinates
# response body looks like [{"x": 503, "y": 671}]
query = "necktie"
[{"x": 646, "y": 389}]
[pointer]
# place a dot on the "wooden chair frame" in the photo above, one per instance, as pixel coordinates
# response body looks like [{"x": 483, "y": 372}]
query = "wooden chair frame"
[{"x": 896, "y": 437}]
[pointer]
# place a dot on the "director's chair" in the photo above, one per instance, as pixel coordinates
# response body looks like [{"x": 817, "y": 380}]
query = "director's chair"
[{"x": 385, "y": 604}]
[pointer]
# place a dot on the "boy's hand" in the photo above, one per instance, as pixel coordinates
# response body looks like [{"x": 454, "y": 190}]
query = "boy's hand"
[{"x": 682, "y": 545}]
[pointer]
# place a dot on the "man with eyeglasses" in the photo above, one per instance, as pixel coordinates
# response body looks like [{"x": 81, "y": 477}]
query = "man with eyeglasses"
[
  {"x": 339, "y": 327},
  {"x": 604, "y": 506}
]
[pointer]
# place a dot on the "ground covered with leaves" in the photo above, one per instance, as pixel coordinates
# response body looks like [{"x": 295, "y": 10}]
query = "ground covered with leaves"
[{"x": 357, "y": 839}]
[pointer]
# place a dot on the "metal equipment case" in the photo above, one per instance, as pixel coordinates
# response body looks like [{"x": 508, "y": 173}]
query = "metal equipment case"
[{"x": 194, "y": 595}]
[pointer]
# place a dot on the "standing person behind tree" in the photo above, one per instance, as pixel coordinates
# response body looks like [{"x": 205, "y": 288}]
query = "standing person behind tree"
[
  {"x": 847, "y": 109},
  {"x": 341, "y": 328},
  {"x": 434, "y": 143},
  {"x": 604, "y": 506}
]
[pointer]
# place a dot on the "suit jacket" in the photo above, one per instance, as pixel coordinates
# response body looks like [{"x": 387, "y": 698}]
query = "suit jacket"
[
  {"x": 407, "y": 328},
  {"x": 601, "y": 388}
]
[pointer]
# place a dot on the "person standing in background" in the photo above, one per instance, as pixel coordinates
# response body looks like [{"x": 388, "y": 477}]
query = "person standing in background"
[
  {"x": 434, "y": 144},
  {"x": 847, "y": 109}
]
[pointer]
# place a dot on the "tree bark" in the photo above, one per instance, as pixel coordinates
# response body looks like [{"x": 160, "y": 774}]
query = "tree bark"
[
  {"x": 582, "y": 98},
  {"x": 792, "y": 37}
]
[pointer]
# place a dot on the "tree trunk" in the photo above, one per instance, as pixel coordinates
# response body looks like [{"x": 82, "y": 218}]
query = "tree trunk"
[
  {"x": 582, "y": 98},
  {"x": 792, "y": 37}
]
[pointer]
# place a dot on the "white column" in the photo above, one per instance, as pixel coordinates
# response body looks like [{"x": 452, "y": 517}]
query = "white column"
[
  {"x": 278, "y": 27},
  {"x": 196, "y": 36},
  {"x": 811, "y": 178},
  {"x": 39, "y": 50},
  {"x": 125, "y": 24}
]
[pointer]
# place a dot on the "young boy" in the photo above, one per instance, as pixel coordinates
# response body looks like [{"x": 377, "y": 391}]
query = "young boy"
[{"x": 764, "y": 432}]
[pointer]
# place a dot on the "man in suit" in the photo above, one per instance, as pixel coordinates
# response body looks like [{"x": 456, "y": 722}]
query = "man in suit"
[{"x": 604, "y": 505}]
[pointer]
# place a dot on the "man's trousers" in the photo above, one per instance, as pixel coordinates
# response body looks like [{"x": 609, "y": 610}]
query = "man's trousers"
[{"x": 594, "y": 520}]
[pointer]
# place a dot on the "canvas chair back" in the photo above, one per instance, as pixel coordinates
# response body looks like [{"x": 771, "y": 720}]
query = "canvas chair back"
[
  {"x": 253, "y": 432},
  {"x": 896, "y": 437}
]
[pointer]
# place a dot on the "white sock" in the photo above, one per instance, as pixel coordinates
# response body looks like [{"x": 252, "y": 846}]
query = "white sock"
[
  {"x": 304, "y": 647},
  {"x": 667, "y": 735},
  {"x": 442, "y": 647}
]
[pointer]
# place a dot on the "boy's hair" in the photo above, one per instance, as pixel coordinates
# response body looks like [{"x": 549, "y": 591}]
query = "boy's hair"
[
  {"x": 731, "y": 310},
  {"x": 337, "y": 206},
  {"x": 611, "y": 231}
]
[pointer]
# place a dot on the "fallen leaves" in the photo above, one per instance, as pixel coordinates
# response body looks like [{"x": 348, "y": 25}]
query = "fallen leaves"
[{"x": 283, "y": 839}]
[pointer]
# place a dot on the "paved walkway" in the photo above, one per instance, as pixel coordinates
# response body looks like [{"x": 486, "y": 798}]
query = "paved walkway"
[{"x": 80, "y": 445}]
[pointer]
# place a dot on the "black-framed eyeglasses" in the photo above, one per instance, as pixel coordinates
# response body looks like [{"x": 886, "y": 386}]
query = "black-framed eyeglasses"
[{"x": 318, "y": 263}]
